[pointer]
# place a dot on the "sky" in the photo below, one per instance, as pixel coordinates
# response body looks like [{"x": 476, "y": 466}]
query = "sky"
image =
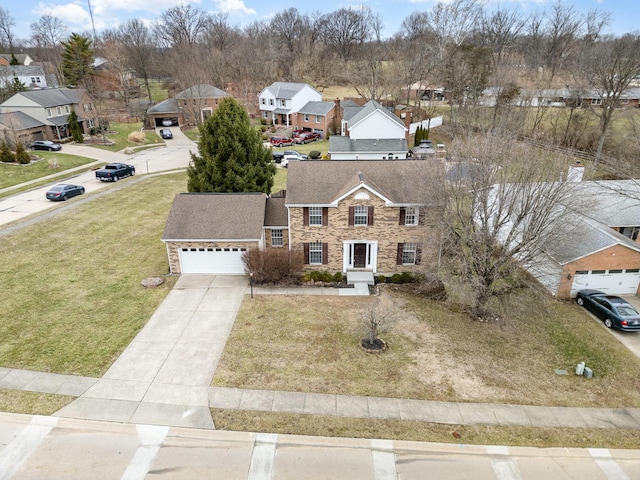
[{"x": 111, "y": 13}]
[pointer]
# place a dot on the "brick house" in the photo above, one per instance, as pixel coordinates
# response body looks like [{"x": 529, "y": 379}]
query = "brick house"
[
  {"x": 188, "y": 107},
  {"x": 378, "y": 217},
  {"x": 319, "y": 117}
]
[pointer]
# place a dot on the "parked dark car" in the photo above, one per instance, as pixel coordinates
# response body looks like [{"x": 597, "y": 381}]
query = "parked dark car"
[
  {"x": 614, "y": 311},
  {"x": 63, "y": 192},
  {"x": 112, "y": 172},
  {"x": 46, "y": 145},
  {"x": 278, "y": 156},
  {"x": 166, "y": 134},
  {"x": 307, "y": 137},
  {"x": 281, "y": 141}
]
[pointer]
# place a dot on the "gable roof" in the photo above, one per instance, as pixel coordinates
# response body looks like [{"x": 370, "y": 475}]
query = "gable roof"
[
  {"x": 369, "y": 109},
  {"x": 22, "y": 70},
  {"x": 202, "y": 90},
  {"x": 286, "y": 89},
  {"x": 276, "y": 213},
  {"x": 53, "y": 97},
  {"x": 322, "y": 182},
  {"x": 615, "y": 203},
  {"x": 317, "y": 108},
  {"x": 18, "y": 121},
  {"x": 170, "y": 105},
  {"x": 215, "y": 216}
]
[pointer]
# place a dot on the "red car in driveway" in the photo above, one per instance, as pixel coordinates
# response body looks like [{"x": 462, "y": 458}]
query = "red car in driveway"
[
  {"x": 307, "y": 137},
  {"x": 281, "y": 141}
]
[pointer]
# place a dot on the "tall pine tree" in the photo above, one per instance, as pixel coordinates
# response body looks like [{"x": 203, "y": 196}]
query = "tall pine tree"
[
  {"x": 231, "y": 156},
  {"x": 77, "y": 58},
  {"x": 74, "y": 127}
]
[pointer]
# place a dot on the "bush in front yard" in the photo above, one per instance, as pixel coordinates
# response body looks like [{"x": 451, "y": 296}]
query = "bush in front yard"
[
  {"x": 22, "y": 156},
  {"x": 6, "y": 155},
  {"x": 137, "y": 137},
  {"x": 273, "y": 265}
]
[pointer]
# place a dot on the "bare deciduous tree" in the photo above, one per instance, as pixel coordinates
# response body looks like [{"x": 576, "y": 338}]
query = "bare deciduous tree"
[
  {"x": 502, "y": 204},
  {"x": 378, "y": 318},
  {"x": 7, "y": 22},
  {"x": 136, "y": 39},
  {"x": 181, "y": 25},
  {"x": 346, "y": 30}
]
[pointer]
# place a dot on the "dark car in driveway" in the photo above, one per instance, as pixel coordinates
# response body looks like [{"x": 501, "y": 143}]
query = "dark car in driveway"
[
  {"x": 614, "y": 311},
  {"x": 46, "y": 145},
  {"x": 63, "y": 192},
  {"x": 166, "y": 134}
]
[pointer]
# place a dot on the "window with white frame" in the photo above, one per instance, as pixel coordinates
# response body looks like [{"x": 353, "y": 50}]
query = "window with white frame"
[
  {"x": 86, "y": 107},
  {"x": 409, "y": 253},
  {"x": 318, "y": 118},
  {"x": 263, "y": 101},
  {"x": 49, "y": 114},
  {"x": 283, "y": 102},
  {"x": 66, "y": 109},
  {"x": 271, "y": 102},
  {"x": 315, "y": 215},
  {"x": 59, "y": 110},
  {"x": 596, "y": 101},
  {"x": 360, "y": 215},
  {"x": 91, "y": 123},
  {"x": 315, "y": 253},
  {"x": 277, "y": 240},
  {"x": 411, "y": 215},
  {"x": 265, "y": 114},
  {"x": 306, "y": 117}
]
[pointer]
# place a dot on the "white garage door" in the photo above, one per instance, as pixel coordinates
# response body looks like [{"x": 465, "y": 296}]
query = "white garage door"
[
  {"x": 223, "y": 261},
  {"x": 613, "y": 282}
]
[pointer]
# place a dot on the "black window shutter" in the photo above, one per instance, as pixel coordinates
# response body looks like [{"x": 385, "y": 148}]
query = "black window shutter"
[
  {"x": 370, "y": 216},
  {"x": 325, "y": 253},
  {"x": 418, "y": 254},
  {"x": 421, "y": 215},
  {"x": 306, "y": 253},
  {"x": 403, "y": 211},
  {"x": 399, "y": 254},
  {"x": 305, "y": 216},
  {"x": 351, "y": 214},
  {"x": 325, "y": 216}
]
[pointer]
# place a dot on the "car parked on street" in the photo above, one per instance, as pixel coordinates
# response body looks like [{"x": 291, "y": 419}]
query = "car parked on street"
[
  {"x": 614, "y": 311},
  {"x": 281, "y": 141},
  {"x": 46, "y": 145},
  {"x": 112, "y": 172},
  {"x": 307, "y": 137},
  {"x": 166, "y": 134},
  {"x": 63, "y": 192}
]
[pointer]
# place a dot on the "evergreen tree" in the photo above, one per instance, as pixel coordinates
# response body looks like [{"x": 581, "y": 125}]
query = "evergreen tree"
[
  {"x": 22, "y": 156},
  {"x": 14, "y": 60},
  {"x": 6, "y": 155},
  {"x": 77, "y": 58},
  {"x": 231, "y": 156},
  {"x": 74, "y": 127}
]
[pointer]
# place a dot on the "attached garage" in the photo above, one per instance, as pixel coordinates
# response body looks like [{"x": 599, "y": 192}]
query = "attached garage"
[
  {"x": 226, "y": 261},
  {"x": 208, "y": 233},
  {"x": 614, "y": 282}
]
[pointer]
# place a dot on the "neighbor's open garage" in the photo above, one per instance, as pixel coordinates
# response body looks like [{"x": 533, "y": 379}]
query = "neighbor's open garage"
[
  {"x": 614, "y": 282},
  {"x": 221, "y": 261}
]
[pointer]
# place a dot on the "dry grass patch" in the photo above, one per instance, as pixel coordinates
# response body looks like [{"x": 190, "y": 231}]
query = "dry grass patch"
[
  {"x": 310, "y": 344},
  {"x": 32, "y": 403},
  {"x": 290, "y": 424}
]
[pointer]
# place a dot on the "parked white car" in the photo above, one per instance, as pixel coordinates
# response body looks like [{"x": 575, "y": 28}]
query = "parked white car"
[{"x": 292, "y": 156}]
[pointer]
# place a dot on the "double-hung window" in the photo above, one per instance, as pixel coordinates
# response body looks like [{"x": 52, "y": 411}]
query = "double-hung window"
[
  {"x": 318, "y": 118},
  {"x": 315, "y": 253},
  {"x": 277, "y": 239},
  {"x": 306, "y": 117},
  {"x": 411, "y": 215},
  {"x": 360, "y": 215},
  {"x": 315, "y": 215},
  {"x": 409, "y": 253}
]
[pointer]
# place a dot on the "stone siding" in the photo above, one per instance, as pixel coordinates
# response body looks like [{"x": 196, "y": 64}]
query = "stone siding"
[{"x": 267, "y": 237}]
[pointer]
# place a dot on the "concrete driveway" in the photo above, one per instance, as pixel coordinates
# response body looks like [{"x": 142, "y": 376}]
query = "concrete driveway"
[{"x": 163, "y": 376}]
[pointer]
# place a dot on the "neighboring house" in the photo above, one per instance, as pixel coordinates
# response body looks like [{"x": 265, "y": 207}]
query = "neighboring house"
[
  {"x": 319, "y": 117},
  {"x": 560, "y": 97},
  {"x": 280, "y": 100},
  {"x": 52, "y": 107},
  {"x": 421, "y": 91},
  {"x": 370, "y": 132},
  {"x": 19, "y": 127},
  {"x": 31, "y": 76},
  {"x": 600, "y": 245},
  {"x": 378, "y": 217},
  {"x": 188, "y": 107},
  {"x": 22, "y": 58}
]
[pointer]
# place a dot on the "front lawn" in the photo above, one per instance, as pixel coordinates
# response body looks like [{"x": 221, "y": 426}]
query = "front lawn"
[
  {"x": 119, "y": 133},
  {"x": 435, "y": 353},
  {"x": 75, "y": 295},
  {"x": 14, "y": 173}
]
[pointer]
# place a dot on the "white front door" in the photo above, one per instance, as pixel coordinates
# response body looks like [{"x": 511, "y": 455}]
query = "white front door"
[{"x": 360, "y": 254}]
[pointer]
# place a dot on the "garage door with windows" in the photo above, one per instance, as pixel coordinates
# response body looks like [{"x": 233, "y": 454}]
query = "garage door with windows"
[
  {"x": 222, "y": 261},
  {"x": 614, "y": 282}
]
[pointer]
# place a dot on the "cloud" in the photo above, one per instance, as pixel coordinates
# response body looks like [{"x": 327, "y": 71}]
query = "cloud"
[
  {"x": 71, "y": 14},
  {"x": 234, "y": 7}
]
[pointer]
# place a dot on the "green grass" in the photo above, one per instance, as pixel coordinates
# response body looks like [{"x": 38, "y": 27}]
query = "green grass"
[
  {"x": 76, "y": 299},
  {"x": 158, "y": 90},
  {"x": 280, "y": 180},
  {"x": 32, "y": 403},
  {"x": 321, "y": 146},
  {"x": 14, "y": 174},
  {"x": 119, "y": 132}
]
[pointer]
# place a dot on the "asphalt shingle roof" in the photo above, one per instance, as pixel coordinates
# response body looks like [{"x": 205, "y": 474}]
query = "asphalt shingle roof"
[
  {"x": 53, "y": 97},
  {"x": 276, "y": 213},
  {"x": 19, "y": 121},
  {"x": 216, "y": 216},
  {"x": 169, "y": 105},
  {"x": 317, "y": 108},
  {"x": 340, "y": 144},
  {"x": 285, "y": 89},
  {"x": 202, "y": 90},
  {"x": 321, "y": 182}
]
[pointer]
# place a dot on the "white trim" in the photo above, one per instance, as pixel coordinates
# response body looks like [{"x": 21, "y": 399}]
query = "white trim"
[{"x": 371, "y": 262}]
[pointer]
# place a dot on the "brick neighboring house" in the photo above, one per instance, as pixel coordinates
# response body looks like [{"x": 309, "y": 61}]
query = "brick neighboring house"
[
  {"x": 378, "y": 217},
  {"x": 52, "y": 107},
  {"x": 319, "y": 117},
  {"x": 188, "y": 107},
  {"x": 280, "y": 100},
  {"x": 600, "y": 246},
  {"x": 19, "y": 127}
]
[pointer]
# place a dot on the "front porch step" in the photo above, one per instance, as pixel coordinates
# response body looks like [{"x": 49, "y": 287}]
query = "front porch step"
[{"x": 360, "y": 277}]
